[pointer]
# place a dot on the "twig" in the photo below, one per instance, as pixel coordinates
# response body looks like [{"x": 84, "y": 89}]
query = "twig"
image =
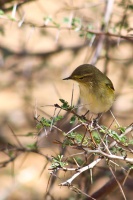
[
  {"x": 15, "y": 136},
  {"x": 110, "y": 156},
  {"x": 90, "y": 166},
  {"x": 118, "y": 183}
]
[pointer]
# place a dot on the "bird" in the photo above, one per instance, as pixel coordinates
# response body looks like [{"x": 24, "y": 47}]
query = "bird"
[{"x": 96, "y": 90}]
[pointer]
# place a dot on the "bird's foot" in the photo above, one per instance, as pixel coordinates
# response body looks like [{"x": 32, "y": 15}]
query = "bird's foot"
[{"x": 95, "y": 121}]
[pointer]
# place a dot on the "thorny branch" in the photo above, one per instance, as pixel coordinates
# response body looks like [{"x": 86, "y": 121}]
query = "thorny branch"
[
  {"x": 102, "y": 154},
  {"x": 95, "y": 32}
]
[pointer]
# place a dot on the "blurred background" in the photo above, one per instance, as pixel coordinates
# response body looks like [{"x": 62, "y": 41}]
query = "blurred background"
[{"x": 42, "y": 42}]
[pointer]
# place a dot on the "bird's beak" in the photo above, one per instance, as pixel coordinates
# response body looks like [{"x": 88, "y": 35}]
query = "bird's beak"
[{"x": 67, "y": 78}]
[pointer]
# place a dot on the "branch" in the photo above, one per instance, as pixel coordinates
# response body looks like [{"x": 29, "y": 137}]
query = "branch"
[
  {"x": 98, "y": 33},
  {"x": 90, "y": 166},
  {"x": 107, "y": 15}
]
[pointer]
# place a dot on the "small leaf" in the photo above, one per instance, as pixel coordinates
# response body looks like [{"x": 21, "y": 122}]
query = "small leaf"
[
  {"x": 45, "y": 122},
  {"x": 66, "y": 20},
  {"x": 57, "y": 162},
  {"x": 1, "y": 12},
  {"x": 56, "y": 24},
  {"x": 48, "y": 19},
  {"x": 131, "y": 142},
  {"x": 57, "y": 118},
  {"x": 89, "y": 35},
  {"x": 32, "y": 146},
  {"x": 122, "y": 129},
  {"x": 39, "y": 126},
  {"x": 65, "y": 104},
  {"x": 72, "y": 120},
  {"x": 96, "y": 136}
]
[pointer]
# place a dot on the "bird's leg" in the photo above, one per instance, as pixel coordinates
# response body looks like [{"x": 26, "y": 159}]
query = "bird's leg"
[
  {"x": 95, "y": 121},
  {"x": 99, "y": 116},
  {"x": 83, "y": 116},
  {"x": 86, "y": 113}
]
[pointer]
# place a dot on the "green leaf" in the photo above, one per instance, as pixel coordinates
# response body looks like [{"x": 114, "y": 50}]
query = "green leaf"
[
  {"x": 56, "y": 24},
  {"x": 72, "y": 120},
  {"x": 89, "y": 35},
  {"x": 67, "y": 142},
  {"x": 48, "y": 19},
  {"x": 32, "y": 146},
  {"x": 71, "y": 135},
  {"x": 113, "y": 134},
  {"x": 1, "y": 12},
  {"x": 66, "y": 20},
  {"x": 65, "y": 104},
  {"x": 96, "y": 136},
  {"x": 76, "y": 22},
  {"x": 123, "y": 139},
  {"x": 103, "y": 129},
  {"x": 122, "y": 129},
  {"x": 11, "y": 18},
  {"x": 10, "y": 153},
  {"x": 57, "y": 118},
  {"x": 79, "y": 138},
  {"x": 79, "y": 161},
  {"x": 45, "y": 122},
  {"x": 39, "y": 126},
  {"x": 75, "y": 138},
  {"x": 57, "y": 162},
  {"x": 130, "y": 141}
]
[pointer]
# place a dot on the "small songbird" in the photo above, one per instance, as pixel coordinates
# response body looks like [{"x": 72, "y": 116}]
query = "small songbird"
[{"x": 96, "y": 89}]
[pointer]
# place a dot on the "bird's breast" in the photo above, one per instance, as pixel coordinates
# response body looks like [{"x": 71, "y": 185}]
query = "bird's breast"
[{"x": 97, "y": 100}]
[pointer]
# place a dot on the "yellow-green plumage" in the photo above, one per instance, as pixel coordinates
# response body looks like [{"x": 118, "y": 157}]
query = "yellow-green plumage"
[{"x": 96, "y": 89}]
